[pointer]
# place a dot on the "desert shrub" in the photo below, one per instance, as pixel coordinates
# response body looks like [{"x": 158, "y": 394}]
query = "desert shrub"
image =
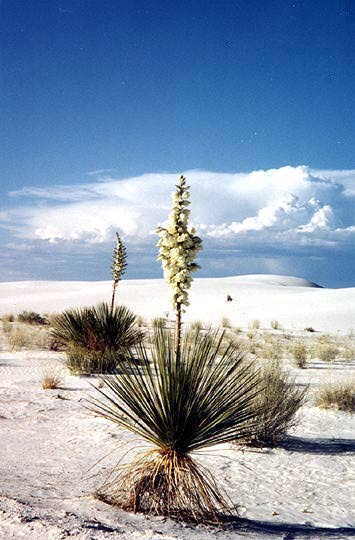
[
  {"x": 51, "y": 377},
  {"x": 277, "y": 403},
  {"x": 255, "y": 324},
  {"x": 7, "y": 327},
  {"x": 95, "y": 338},
  {"x": 348, "y": 353},
  {"x": 271, "y": 351},
  {"x": 310, "y": 329},
  {"x": 225, "y": 322},
  {"x": 158, "y": 322},
  {"x": 196, "y": 326},
  {"x": 338, "y": 395},
  {"x": 250, "y": 334},
  {"x": 31, "y": 317},
  {"x": 300, "y": 354},
  {"x": 139, "y": 321},
  {"x": 29, "y": 338},
  {"x": 80, "y": 361},
  {"x": 275, "y": 325},
  {"x": 8, "y": 317},
  {"x": 326, "y": 352},
  {"x": 181, "y": 404}
]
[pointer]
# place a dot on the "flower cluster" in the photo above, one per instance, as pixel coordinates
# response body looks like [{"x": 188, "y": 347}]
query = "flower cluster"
[
  {"x": 178, "y": 246},
  {"x": 119, "y": 260}
]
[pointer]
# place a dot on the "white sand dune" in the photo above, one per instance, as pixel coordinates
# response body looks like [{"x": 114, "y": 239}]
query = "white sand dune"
[{"x": 294, "y": 302}]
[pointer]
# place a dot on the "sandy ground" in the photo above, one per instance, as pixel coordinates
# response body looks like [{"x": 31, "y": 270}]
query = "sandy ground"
[{"x": 50, "y": 442}]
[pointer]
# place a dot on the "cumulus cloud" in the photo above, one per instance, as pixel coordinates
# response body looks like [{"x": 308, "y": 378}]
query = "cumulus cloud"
[{"x": 289, "y": 206}]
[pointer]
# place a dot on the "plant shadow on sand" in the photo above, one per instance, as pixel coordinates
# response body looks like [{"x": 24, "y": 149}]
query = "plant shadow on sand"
[
  {"x": 318, "y": 446},
  {"x": 290, "y": 531}
]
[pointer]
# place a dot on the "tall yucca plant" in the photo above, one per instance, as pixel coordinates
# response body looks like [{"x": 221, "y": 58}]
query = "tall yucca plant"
[
  {"x": 118, "y": 267},
  {"x": 178, "y": 247},
  {"x": 179, "y": 405}
]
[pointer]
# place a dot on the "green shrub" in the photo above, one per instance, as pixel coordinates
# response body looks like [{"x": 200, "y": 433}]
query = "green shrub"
[
  {"x": 95, "y": 338},
  {"x": 80, "y": 361},
  {"x": 277, "y": 403},
  {"x": 31, "y": 317},
  {"x": 300, "y": 354},
  {"x": 340, "y": 396}
]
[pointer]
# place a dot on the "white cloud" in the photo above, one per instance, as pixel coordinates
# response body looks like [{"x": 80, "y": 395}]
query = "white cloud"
[{"x": 288, "y": 207}]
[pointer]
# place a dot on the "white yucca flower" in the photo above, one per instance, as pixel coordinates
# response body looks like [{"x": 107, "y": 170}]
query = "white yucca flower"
[{"x": 178, "y": 246}]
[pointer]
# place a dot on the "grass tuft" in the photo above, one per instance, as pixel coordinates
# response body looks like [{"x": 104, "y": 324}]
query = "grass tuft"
[{"x": 339, "y": 396}]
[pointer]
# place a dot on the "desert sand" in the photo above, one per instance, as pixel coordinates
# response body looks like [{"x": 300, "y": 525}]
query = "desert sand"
[{"x": 50, "y": 441}]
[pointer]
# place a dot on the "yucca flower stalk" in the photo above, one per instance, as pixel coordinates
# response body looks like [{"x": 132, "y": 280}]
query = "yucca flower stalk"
[
  {"x": 178, "y": 248},
  {"x": 178, "y": 406},
  {"x": 118, "y": 267}
]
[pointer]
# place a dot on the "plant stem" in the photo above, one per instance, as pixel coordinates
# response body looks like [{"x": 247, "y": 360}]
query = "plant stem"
[
  {"x": 178, "y": 331},
  {"x": 113, "y": 297}
]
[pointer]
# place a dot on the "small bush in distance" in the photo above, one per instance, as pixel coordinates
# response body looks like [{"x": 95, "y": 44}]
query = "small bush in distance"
[
  {"x": 8, "y": 317},
  {"x": 28, "y": 338},
  {"x": 255, "y": 324},
  {"x": 159, "y": 322},
  {"x": 277, "y": 403},
  {"x": 225, "y": 322},
  {"x": 300, "y": 354},
  {"x": 310, "y": 329},
  {"x": 340, "y": 396},
  {"x": 31, "y": 317},
  {"x": 327, "y": 352},
  {"x": 275, "y": 325},
  {"x": 7, "y": 327}
]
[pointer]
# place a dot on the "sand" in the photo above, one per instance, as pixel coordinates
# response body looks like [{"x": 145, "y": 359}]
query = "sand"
[{"x": 50, "y": 441}]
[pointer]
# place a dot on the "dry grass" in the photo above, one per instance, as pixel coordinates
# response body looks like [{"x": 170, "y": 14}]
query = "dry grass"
[
  {"x": 225, "y": 322},
  {"x": 28, "y": 337},
  {"x": 7, "y": 326},
  {"x": 275, "y": 325},
  {"x": 167, "y": 483},
  {"x": 300, "y": 354},
  {"x": 327, "y": 352},
  {"x": 340, "y": 396},
  {"x": 255, "y": 324},
  {"x": 8, "y": 317},
  {"x": 277, "y": 403},
  {"x": 51, "y": 378}
]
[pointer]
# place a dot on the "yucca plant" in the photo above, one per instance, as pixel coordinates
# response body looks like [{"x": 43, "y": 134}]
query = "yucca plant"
[
  {"x": 95, "y": 337},
  {"x": 179, "y": 404}
]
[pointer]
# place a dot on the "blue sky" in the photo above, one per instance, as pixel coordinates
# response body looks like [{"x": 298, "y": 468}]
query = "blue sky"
[{"x": 103, "y": 96}]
